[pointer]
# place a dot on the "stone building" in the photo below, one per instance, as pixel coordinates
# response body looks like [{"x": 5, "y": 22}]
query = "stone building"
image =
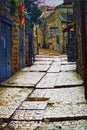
[
  {"x": 56, "y": 22},
  {"x": 80, "y": 18}
]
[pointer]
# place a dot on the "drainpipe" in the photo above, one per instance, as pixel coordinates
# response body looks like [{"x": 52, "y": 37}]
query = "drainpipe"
[
  {"x": 67, "y": 25},
  {"x": 37, "y": 39}
]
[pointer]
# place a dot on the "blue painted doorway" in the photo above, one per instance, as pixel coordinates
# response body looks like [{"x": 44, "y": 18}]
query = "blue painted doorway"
[{"x": 5, "y": 51}]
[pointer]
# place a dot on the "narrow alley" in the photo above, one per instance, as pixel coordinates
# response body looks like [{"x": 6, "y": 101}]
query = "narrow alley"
[
  {"x": 43, "y": 64},
  {"x": 49, "y": 95}
]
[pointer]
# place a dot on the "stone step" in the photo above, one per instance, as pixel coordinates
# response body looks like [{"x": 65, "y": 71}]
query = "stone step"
[
  {"x": 10, "y": 99},
  {"x": 33, "y": 105},
  {"x": 28, "y": 115},
  {"x": 44, "y": 56},
  {"x": 48, "y": 81},
  {"x": 60, "y": 95},
  {"x": 25, "y": 125},
  {"x": 39, "y": 68},
  {"x": 66, "y": 112},
  {"x": 67, "y": 95},
  {"x": 41, "y": 93},
  {"x": 63, "y": 125},
  {"x": 66, "y": 79},
  {"x": 67, "y": 63},
  {"x": 44, "y": 59},
  {"x": 69, "y": 67},
  {"x": 57, "y": 59},
  {"x": 55, "y": 67},
  {"x": 43, "y": 62},
  {"x": 24, "y": 79},
  {"x": 63, "y": 58}
]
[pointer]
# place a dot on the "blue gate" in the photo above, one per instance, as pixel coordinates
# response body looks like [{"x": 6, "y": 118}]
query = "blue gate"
[
  {"x": 5, "y": 49},
  {"x": 21, "y": 47}
]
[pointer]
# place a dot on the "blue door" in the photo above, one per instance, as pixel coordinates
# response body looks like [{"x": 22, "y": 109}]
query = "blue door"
[
  {"x": 58, "y": 41},
  {"x": 9, "y": 51},
  {"x": 21, "y": 47},
  {"x": 5, "y": 51}
]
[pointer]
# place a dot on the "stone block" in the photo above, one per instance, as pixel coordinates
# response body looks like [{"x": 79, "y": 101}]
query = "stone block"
[
  {"x": 33, "y": 105},
  {"x": 28, "y": 115}
]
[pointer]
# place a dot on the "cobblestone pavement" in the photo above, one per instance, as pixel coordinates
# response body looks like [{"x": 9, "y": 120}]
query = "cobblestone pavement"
[{"x": 49, "y": 95}]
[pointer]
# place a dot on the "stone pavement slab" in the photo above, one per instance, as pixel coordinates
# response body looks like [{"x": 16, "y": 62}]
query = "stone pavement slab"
[
  {"x": 28, "y": 115},
  {"x": 44, "y": 56},
  {"x": 48, "y": 81},
  {"x": 68, "y": 79},
  {"x": 57, "y": 59},
  {"x": 67, "y": 96},
  {"x": 43, "y": 62},
  {"x": 69, "y": 67},
  {"x": 41, "y": 93},
  {"x": 24, "y": 79},
  {"x": 39, "y": 68},
  {"x": 64, "y": 125},
  {"x": 25, "y": 125},
  {"x": 10, "y": 99},
  {"x": 33, "y": 105},
  {"x": 44, "y": 59},
  {"x": 55, "y": 68},
  {"x": 66, "y": 112},
  {"x": 61, "y": 95},
  {"x": 66, "y": 62},
  {"x": 63, "y": 57}
]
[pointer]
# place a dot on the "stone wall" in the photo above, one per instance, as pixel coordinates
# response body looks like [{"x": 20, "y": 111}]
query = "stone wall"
[
  {"x": 77, "y": 19},
  {"x": 54, "y": 21},
  {"x": 15, "y": 46}
]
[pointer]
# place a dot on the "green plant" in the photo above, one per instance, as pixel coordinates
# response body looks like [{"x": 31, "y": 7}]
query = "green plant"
[{"x": 13, "y": 6}]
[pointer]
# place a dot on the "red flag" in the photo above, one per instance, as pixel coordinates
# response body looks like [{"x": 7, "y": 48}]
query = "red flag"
[
  {"x": 21, "y": 9},
  {"x": 22, "y": 20}
]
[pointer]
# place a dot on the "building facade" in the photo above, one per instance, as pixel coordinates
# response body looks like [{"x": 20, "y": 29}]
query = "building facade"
[
  {"x": 57, "y": 22},
  {"x": 80, "y": 17}
]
